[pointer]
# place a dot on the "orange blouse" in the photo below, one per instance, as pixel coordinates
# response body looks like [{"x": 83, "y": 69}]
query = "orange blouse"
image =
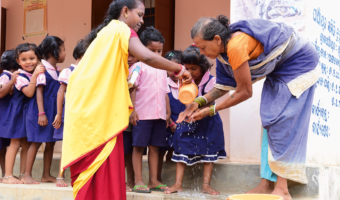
[{"x": 242, "y": 48}]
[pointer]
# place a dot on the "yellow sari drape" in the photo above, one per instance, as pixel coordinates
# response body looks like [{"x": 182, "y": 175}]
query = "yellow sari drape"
[{"x": 98, "y": 103}]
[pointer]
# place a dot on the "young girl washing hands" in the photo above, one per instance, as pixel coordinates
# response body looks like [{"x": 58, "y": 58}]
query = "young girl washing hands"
[{"x": 203, "y": 141}]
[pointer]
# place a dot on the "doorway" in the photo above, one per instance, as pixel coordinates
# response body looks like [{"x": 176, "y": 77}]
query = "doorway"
[
  {"x": 158, "y": 13},
  {"x": 3, "y": 30}
]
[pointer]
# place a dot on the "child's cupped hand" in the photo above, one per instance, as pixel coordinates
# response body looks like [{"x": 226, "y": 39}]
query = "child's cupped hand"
[
  {"x": 57, "y": 121},
  {"x": 42, "y": 120},
  {"x": 134, "y": 118},
  {"x": 39, "y": 70}
]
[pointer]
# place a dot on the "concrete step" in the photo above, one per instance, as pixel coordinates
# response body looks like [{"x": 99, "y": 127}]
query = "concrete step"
[
  {"x": 236, "y": 177},
  {"x": 48, "y": 191}
]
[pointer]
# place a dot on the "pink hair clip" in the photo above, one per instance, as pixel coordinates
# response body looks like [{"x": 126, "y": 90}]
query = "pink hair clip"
[{"x": 193, "y": 44}]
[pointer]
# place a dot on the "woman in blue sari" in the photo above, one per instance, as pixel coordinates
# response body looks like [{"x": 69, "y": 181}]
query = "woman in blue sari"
[{"x": 246, "y": 52}]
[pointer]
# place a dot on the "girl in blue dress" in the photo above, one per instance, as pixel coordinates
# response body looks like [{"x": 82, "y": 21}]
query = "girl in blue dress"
[
  {"x": 202, "y": 141},
  {"x": 175, "y": 108},
  {"x": 12, "y": 122},
  {"x": 42, "y": 110},
  {"x": 9, "y": 68}
]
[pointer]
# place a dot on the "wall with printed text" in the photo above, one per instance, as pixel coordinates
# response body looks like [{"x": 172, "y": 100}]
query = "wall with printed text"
[{"x": 323, "y": 30}]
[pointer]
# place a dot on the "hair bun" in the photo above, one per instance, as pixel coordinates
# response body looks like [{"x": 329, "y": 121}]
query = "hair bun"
[{"x": 223, "y": 20}]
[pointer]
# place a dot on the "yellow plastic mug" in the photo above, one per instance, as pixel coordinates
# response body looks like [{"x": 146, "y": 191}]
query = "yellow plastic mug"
[
  {"x": 187, "y": 93},
  {"x": 254, "y": 197}
]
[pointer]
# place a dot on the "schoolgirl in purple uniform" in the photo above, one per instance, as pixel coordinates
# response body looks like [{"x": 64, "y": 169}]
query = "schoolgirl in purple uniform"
[
  {"x": 176, "y": 107},
  {"x": 13, "y": 120},
  {"x": 42, "y": 110},
  {"x": 203, "y": 141},
  {"x": 58, "y": 123},
  {"x": 9, "y": 74}
]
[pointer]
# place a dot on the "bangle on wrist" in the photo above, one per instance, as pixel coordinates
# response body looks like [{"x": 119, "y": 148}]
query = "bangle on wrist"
[
  {"x": 173, "y": 123},
  {"x": 202, "y": 101},
  {"x": 41, "y": 113},
  {"x": 181, "y": 72},
  {"x": 212, "y": 110},
  {"x": 206, "y": 100}
]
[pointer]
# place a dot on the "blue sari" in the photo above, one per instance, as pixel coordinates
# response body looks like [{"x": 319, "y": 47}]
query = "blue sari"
[{"x": 289, "y": 64}]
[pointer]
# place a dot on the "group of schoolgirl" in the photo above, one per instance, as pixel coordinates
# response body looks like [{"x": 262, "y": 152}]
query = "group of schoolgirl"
[
  {"x": 31, "y": 106},
  {"x": 153, "y": 121}
]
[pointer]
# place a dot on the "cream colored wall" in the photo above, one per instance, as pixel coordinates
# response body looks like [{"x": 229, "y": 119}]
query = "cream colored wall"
[{"x": 69, "y": 20}]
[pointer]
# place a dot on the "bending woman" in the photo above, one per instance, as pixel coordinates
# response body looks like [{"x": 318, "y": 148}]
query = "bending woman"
[
  {"x": 246, "y": 52},
  {"x": 98, "y": 103}
]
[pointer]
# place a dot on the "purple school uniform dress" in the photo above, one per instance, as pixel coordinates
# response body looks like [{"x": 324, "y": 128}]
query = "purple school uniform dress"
[
  {"x": 176, "y": 108},
  {"x": 35, "y": 132},
  {"x": 5, "y": 77},
  {"x": 12, "y": 124},
  {"x": 63, "y": 78},
  {"x": 201, "y": 141}
]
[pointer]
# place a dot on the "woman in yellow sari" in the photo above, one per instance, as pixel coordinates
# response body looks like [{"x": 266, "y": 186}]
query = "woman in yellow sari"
[{"x": 98, "y": 103}]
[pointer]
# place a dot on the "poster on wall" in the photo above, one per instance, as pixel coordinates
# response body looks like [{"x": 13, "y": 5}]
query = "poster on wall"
[
  {"x": 291, "y": 12},
  {"x": 34, "y": 18}
]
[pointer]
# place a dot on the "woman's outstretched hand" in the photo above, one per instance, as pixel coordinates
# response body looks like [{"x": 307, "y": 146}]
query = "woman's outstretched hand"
[
  {"x": 199, "y": 114},
  {"x": 186, "y": 115}
]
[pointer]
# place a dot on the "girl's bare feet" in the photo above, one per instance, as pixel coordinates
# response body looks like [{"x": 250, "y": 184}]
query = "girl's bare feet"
[
  {"x": 130, "y": 185},
  {"x": 27, "y": 179},
  {"x": 61, "y": 182},
  {"x": 265, "y": 187},
  {"x": 48, "y": 179},
  {"x": 128, "y": 189},
  {"x": 209, "y": 190},
  {"x": 173, "y": 189},
  {"x": 21, "y": 177},
  {"x": 282, "y": 193},
  {"x": 11, "y": 180}
]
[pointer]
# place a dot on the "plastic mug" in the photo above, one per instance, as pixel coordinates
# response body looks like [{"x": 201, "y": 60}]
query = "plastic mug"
[{"x": 187, "y": 93}]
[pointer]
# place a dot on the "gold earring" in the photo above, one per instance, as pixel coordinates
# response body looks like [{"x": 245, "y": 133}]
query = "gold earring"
[{"x": 126, "y": 15}]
